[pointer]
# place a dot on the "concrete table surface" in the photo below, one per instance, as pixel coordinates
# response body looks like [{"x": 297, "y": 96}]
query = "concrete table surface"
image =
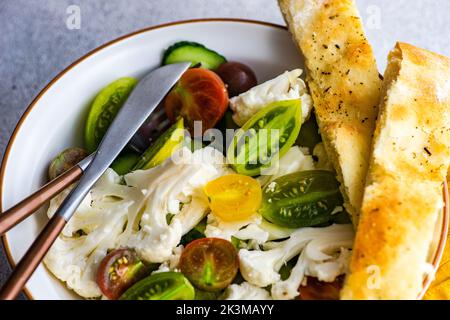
[{"x": 36, "y": 43}]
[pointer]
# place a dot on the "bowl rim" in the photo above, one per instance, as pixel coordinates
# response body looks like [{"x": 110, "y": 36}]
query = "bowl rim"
[
  {"x": 44, "y": 90},
  {"x": 7, "y": 249}
]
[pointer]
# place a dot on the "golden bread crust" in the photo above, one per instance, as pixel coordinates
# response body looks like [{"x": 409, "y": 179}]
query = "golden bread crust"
[
  {"x": 403, "y": 195},
  {"x": 344, "y": 83}
]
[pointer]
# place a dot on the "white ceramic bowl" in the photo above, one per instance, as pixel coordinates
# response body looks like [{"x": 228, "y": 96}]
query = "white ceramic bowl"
[{"x": 55, "y": 118}]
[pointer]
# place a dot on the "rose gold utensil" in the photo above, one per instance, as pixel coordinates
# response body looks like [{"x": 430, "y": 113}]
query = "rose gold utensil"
[
  {"x": 141, "y": 103},
  {"x": 26, "y": 207},
  {"x": 157, "y": 121}
]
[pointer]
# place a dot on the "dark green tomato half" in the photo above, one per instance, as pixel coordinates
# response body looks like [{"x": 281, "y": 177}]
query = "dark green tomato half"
[
  {"x": 104, "y": 108},
  {"x": 65, "y": 160},
  {"x": 124, "y": 163},
  {"x": 301, "y": 199},
  {"x": 266, "y": 135},
  {"x": 161, "y": 286}
]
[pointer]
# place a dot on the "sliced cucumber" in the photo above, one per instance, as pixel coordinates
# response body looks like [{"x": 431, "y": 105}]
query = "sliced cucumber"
[
  {"x": 163, "y": 147},
  {"x": 104, "y": 108},
  {"x": 193, "y": 52}
]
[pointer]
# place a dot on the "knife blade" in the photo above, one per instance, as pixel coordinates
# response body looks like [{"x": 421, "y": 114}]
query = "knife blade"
[
  {"x": 140, "y": 104},
  {"x": 148, "y": 93}
]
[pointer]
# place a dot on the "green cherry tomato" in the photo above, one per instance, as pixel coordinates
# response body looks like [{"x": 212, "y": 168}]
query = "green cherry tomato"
[
  {"x": 210, "y": 264},
  {"x": 65, "y": 160},
  {"x": 161, "y": 286},
  {"x": 269, "y": 133},
  {"x": 104, "y": 108},
  {"x": 301, "y": 199}
]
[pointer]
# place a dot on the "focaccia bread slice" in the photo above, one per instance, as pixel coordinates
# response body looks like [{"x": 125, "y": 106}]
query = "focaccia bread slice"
[
  {"x": 344, "y": 82},
  {"x": 404, "y": 191}
]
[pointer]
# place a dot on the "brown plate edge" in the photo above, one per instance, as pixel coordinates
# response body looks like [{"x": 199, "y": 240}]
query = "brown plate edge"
[{"x": 442, "y": 241}]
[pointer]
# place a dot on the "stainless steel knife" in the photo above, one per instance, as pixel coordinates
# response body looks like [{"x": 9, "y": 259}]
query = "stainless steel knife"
[{"x": 148, "y": 93}]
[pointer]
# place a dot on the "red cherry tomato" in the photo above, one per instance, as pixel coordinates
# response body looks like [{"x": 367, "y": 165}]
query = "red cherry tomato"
[
  {"x": 200, "y": 95},
  {"x": 209, "y": 263},
  {"x": 319, "y": 290},
  {"x": 118, "y": 271}
]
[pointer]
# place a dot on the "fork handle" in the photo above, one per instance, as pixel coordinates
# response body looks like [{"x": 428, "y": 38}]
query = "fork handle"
[
  {"x": 25, "y": 208},
  {"x": 30, "y": 261}
]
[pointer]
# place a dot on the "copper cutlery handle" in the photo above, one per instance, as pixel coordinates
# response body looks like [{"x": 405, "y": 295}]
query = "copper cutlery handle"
[
  {"x": 30, "y": 261},
  {"x": 25, "y": 208},
  {"x": 146, "y": 96}
]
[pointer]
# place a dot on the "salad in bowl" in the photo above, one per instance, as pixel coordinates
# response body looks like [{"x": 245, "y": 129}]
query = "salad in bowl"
[{"x": 226, "y": 194}]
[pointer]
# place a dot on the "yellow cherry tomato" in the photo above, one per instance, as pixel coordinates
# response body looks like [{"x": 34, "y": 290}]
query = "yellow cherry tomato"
[{"x": 234, "y": 197}]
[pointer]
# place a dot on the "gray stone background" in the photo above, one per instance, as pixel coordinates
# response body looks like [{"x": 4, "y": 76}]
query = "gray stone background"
[{"x": 35, "y": 43}]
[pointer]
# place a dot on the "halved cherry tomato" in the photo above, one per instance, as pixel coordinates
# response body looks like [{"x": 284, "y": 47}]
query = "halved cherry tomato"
[
  {"x": 320, "y": 290},
  {"x": 210, "y": 264},
  {"x": 161, "y": 286},
  {"x": 234, "y": 197},
  {"x": 118, "y": 271},
  {"x": 200, "y": 95}
]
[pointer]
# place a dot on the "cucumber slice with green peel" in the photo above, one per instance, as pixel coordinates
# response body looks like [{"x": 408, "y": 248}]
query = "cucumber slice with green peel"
[
  {"x": 125, "y": 163},
  {"x": 163, "y": 147},
  {"x": 185, "y": 51},
  {"x": 266, "y": 136},
  {"x": 104, "y": 108}
]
